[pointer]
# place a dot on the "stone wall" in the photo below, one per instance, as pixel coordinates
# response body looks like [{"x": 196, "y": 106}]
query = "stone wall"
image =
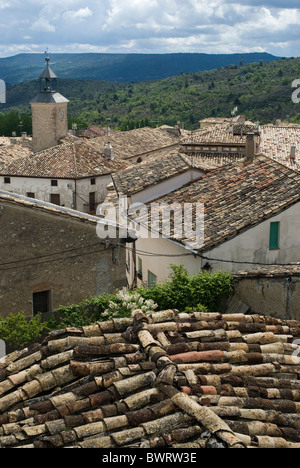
[
  {"x": 47, "y": 125},
  {"x": 41, "y": 251},
  {"x": 277, "y": 295}
]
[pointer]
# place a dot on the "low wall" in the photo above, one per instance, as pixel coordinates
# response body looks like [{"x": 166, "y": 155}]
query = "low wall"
[{"x": 274, "y": 293}]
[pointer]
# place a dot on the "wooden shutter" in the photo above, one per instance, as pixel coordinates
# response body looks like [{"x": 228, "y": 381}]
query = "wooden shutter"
[
  {"x": 55, "y": 198},
  {"x": 274, "y": 236}
]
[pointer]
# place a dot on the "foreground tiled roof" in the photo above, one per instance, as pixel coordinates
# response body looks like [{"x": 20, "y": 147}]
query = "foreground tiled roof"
[
  {"x": 138, "y": 177},
  {"x": 236, "y": 197},
  {"x": 166, "y": 379},
  {"x": 73, "y": 159}
]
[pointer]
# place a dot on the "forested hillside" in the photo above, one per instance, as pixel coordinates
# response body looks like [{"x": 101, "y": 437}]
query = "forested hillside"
[
  {"x": 261, "y": 91},
  {"x": 119, "y": 67}
]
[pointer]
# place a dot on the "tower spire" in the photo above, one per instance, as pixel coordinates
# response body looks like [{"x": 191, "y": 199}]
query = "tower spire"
[{"x": 48, "y": 79}]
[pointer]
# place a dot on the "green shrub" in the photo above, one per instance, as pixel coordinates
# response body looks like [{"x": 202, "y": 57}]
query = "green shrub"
[
  {"x": 84, "y": 313},
  {"x": 18, "y": 331},
  {"x": 185, "y": 292},
  {"x": 203, "y": 291}
]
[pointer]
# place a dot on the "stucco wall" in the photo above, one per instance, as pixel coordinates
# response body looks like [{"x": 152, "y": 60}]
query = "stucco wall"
[
  {"x": 66, "y": 188},
  {"x": 252, "y": 246},
  {"x": 64, "y": 256},
  {"x": 154, "y": 255},
  {"x": 165, "y": 187}
]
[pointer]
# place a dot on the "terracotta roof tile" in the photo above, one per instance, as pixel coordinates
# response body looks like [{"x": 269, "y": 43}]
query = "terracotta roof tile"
[
  {"x": 235, "y": 197},
  {"x": 73, "y": 159},
  {"x": 138, "y": 177},
  {"x": 234, "y": 385}
]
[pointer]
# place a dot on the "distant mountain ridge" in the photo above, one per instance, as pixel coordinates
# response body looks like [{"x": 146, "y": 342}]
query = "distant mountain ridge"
[{"x": 120, "y": 67}]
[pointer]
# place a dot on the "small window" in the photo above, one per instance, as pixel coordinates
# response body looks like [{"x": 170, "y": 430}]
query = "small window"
[
  {"x": 30, "y": 195},
  {"x": 7, "y": 180},
  {"x": 152, "y": 279},
  {"x": 41, "y": 302},
  {"x": 54, "y": 183},
  {"x": 93, "y": 181},
  {"x": 274, "y": 236}
]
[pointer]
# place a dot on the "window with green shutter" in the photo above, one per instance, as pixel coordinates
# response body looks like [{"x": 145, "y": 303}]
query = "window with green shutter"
[
  {"x": 274, "y": 236},
  {"x": 152, "y": 279}
]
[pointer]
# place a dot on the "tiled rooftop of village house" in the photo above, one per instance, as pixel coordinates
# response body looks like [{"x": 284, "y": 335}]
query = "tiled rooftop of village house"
[
  {"x": 141, "y": 141},
  {"x": 216, "y": 134},
  {"x": 93, "y": 132},
  {"x": 138, "y": 177},
  {"x": 277, "y": 141},
  {"x": 14, "y": 148},
  {"x": 236, "y": 197},
  {"x": 73, "y": 159},
  {"x": 158, "y": 380}
]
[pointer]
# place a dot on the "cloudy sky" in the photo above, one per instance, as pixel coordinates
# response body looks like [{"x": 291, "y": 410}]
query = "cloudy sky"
[{"x": 150, "y": 26}]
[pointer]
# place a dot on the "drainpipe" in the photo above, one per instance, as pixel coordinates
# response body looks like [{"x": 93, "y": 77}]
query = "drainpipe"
[{"x": 75, "y": 196}]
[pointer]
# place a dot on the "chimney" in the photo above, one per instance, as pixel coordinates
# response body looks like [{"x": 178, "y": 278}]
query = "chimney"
[
  {"x": 293, "y": 153},
  {"x": 108, "y": 151},
  {"x": 250, "y": 147}
]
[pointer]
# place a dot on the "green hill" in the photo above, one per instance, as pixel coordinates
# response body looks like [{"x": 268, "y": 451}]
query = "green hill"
[
  {"x": 119, "y": 67},
  {"x": 262, "y": 91}
]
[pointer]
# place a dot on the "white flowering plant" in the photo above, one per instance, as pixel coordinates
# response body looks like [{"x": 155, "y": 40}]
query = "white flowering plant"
[{"x": 126, "y": 302}]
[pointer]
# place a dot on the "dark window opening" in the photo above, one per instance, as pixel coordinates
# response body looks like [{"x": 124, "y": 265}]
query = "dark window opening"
[
  {"x": 54, "y": 183},
  {"x": 92, "y": 201},
  {"x": 93, "y": 181},
  {"x": 41, "y": 302},
  {"x": 30, "y": 195},
  {"x": 55, "y": 198},
  {"x": 7, "y": 180}
]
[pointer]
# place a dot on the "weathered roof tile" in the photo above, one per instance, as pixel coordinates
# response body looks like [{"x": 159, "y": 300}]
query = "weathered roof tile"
[{"x": 209, "y": 380}]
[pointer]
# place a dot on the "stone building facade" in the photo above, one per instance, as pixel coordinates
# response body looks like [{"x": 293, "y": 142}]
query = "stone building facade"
[{"x": 51, "y": 256}]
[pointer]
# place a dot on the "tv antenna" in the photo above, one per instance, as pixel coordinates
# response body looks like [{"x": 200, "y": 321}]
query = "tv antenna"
[{"x": 234, "y": 111}]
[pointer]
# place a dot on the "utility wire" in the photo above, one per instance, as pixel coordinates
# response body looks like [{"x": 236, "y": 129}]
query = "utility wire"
[{"x": 35, "y": 261}]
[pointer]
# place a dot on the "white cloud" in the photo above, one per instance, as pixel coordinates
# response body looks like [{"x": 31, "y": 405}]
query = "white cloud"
[
  {"x": 76, "y": 16},
  {"x": 43, "y": 25},
  {"x": 153, "y": 25}
]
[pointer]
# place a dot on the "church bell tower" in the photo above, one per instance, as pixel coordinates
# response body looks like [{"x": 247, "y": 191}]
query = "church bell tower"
[{"x": 49, "y": 113}]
